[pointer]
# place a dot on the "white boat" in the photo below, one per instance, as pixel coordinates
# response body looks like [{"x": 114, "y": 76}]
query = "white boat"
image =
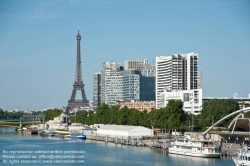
[
  {"x": 79, "y": 136},
  {"x": 242, "y": 158},
  {"x": 196, "y": 148}
]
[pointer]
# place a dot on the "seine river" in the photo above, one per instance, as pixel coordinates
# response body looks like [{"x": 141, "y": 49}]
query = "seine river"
[{"x": 17, "y": 148}]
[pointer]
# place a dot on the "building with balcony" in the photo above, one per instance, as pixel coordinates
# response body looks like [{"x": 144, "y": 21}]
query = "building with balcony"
[{"x": 176, "y": 72}]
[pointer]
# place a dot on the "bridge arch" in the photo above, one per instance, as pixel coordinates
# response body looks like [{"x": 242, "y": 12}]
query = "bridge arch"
[{"x": 241, "y": 111}]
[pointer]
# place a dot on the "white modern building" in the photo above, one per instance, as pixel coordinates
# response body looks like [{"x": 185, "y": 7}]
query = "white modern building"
[
  {"x": 124, "y": 131},
  {"x": 192, "y": 99},
  {"x": 177, "y": 72}
]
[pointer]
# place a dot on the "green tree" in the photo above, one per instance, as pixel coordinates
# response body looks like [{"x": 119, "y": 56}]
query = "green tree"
[
  {"x": 103, "y": 114},
  {"x": 91, "y": 119},
  {"x": 51, "y": 113},
  {"x": 175, "y": 113},
  {"x": 1, "y": 113},
  {"x": 81, "y": 117},
  {"x": 143, "y": 119},
  {"x": 123, "y": 116},
  {"x": 218, "y": 108}
]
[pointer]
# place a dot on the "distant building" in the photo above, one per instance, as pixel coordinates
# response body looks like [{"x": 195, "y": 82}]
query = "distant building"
[
  {"x": 59, "y": 122},
  {"x": 138, "y": 105},
  {"x": 147, "y": 88},
  {"x": 133, "y": 65},
  {"x": 96, "y": 90},
  {"x": 176, "y": 72},
  {"x": 110, "y": 76},
  {"x": 125, "y": 85},
  {"x": 146, "y": 69},
  {"x": 192, "y": 99}
]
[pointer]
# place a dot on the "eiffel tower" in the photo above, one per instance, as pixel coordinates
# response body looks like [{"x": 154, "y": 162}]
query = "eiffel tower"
[{"x": 78, "y": 84}]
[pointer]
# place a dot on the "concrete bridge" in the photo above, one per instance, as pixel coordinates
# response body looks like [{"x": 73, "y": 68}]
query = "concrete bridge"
[{"x": 25, "y": 120}]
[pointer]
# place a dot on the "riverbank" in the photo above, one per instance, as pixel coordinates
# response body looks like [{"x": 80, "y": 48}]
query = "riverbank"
[{"x": 95, "y": 152}]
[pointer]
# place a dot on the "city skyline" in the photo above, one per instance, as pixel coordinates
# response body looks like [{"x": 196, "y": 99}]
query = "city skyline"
[{"x": 38, "y": 50}]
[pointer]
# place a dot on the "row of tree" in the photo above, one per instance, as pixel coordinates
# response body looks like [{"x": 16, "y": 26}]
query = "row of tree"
[
  {"x": 10, "y": 115},
  {"x": 170, "y": 117},
  {"x": 165, "y": 118}
]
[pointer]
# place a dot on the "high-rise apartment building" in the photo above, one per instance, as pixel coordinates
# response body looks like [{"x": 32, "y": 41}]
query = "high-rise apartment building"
[
  {"x": 97, "y": 90},
  {"x": 109, "y": 75},
  {"x": 131, "y": 85},
  {"x": 176, "y": 72}
]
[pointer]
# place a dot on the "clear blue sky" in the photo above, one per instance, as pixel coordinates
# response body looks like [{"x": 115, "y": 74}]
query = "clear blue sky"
[{"x": 38, "y": 45}]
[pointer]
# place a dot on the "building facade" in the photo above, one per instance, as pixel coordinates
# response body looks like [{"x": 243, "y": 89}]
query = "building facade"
[
  {"x": 176, "y": 72},
  {"x": 133, "y": 65},
  {"x": 96, "y": 90},
  {"x": 146, "y": 69},
  {"x": 147, "y": 88},
  {"x": 125, "y": 85},
  {"x": 109, "y": 72},
  {"x": 113, "y": 90},
  {"x": 138, "y": 105},
  {"x": 131, "y": 84},
  {"x": 192, "y": 99}
]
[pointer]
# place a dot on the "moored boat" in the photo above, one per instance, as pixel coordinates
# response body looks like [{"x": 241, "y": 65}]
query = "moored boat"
[
  {"x": 196, "y": 148},
  {"x": 78, "y": 136}
]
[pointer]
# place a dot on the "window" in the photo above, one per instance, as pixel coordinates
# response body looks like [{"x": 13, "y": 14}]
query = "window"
[{"x": 186, "y": 97}]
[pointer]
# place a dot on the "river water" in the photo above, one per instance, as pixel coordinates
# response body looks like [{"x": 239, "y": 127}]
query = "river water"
[{"x": 18, "y": 148}]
